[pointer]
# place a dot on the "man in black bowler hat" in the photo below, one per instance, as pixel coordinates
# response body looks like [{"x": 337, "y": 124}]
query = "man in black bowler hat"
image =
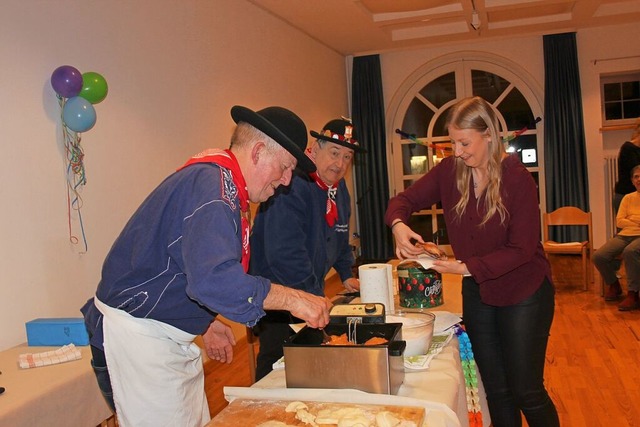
[{"x": 182, "y": 259}]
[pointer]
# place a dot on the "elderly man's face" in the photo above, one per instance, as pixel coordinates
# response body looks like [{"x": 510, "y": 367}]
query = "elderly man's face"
[
  {"x": 332, "y": 161},
  {"x": 271, "y": 171},
  {"x": 635, "y": 179}
]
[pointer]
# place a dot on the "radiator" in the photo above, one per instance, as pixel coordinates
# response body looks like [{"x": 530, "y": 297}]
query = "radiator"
[{"x": 610, "y": 178}]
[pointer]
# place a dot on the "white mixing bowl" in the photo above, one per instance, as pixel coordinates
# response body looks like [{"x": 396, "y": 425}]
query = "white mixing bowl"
[{"x": 417, "y": 329}]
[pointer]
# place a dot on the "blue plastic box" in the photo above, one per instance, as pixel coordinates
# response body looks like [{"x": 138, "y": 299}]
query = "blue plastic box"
[{"x": 60, "y": 331}]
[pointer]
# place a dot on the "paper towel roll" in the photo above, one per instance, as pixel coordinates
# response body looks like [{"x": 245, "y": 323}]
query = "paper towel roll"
[{"x": 376, "y": 284}]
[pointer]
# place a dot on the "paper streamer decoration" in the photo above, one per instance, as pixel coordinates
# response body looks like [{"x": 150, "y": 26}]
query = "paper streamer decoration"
[
  {"x": 470, "y": 378},
  {"x": 76, "y": 95},
  {"x": 376, "y": 285}
]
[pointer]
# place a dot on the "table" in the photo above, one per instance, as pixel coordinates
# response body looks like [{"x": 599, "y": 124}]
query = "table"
[
  {"x": 63, "y": 395},
  {"x": 442, "y": 382},
  {"x": 440, "y": 388}
]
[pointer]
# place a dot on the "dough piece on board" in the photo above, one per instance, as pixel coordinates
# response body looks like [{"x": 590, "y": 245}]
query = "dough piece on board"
[
  {"x": 343, "y": 417},
  {"x": 386, "y": 419},
  {"x": 356, "y": 421},
  {"x": 295, "y": 406},
  {"x": 273, "y": 424},
  {"x": 306, "y": 417}
]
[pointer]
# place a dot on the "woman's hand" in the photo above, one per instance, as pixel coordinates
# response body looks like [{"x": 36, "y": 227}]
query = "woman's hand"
[
  {"x": 403, "y": 235},
  {"x": 219, "y": 342},
  {"x": 450, "y": 267}
]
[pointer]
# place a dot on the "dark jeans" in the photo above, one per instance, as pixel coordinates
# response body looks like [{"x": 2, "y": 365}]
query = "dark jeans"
[
  {"x": 99, "y": 364},
  {"x": 272, "y": 336},
  {"x": 509, "y": 345}
]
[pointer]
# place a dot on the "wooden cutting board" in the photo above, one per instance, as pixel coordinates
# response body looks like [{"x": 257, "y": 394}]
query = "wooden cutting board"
[{"x": 252, "y": 413}]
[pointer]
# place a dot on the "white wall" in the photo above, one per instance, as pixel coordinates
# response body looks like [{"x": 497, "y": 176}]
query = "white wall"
[
  {"x": 603, "y": 51},
  {"x": 613, "y": 44},
  {"x": 174, "y": 70}
]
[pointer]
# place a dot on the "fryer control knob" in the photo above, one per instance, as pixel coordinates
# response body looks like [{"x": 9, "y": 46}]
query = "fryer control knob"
[{"x": 370, "y": 308}]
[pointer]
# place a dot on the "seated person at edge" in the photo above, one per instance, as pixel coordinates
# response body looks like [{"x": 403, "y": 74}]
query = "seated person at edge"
[
  {"x": 628, "y": 158},
  {"x": 491, "y": 211},
  {"x": 181, "y": 260},
  {"x": 298, "y": 236},
  {"x": 627, "y": 243}
]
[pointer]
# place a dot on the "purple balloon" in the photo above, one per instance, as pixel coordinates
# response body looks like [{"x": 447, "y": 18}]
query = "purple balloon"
[{"x": 66, "y": 81}]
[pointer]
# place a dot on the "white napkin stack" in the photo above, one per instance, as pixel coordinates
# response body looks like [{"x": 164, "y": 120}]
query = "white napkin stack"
[{"x": 65, "y": 353}]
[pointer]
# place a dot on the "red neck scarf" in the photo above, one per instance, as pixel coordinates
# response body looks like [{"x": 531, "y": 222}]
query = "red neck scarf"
[
  {"x": 331, "y": 214},
  {"x": 227, "y": 160}
]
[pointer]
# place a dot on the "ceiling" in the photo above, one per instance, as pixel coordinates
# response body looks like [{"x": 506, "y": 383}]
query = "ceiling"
[{"x": 358, "y": 27}]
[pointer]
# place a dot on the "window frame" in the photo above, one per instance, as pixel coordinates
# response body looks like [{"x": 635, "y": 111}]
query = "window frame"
[{"x": 633, "y": 76}]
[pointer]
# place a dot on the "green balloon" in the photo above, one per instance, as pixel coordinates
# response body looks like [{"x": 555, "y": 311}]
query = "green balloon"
[{"x": 94, "y": 87}]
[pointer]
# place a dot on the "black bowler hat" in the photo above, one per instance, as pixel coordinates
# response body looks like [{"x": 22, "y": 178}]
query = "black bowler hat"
[
  {"x": 283, "y": 126},
  {"x": 341, "y": 132}
]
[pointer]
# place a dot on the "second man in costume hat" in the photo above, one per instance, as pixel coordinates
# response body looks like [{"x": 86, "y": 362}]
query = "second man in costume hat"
[{"x": 298, "y": 238}]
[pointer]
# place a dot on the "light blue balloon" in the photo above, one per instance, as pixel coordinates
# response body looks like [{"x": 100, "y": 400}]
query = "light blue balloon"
[{"x": 78, "y": 114}]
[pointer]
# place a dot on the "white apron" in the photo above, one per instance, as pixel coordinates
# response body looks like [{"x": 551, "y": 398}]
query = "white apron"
[{"x": 156, "y": 372}]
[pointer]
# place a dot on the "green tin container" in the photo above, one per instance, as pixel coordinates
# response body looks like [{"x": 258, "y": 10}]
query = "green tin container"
[{"x": 419, "y": 287}]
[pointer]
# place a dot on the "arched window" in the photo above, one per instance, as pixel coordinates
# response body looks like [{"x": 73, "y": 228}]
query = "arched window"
[{"x": 419, "y": 109}]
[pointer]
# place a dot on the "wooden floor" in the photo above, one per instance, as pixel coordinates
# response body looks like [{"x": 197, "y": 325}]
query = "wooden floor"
[{"x": 593, "y": 359}]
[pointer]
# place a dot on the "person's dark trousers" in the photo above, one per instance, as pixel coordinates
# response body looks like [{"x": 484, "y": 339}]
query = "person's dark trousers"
[
  {"x": 272, "y": 336},
  {"x": 509, "y": 345},
  {"x": 99, "y": 364}
]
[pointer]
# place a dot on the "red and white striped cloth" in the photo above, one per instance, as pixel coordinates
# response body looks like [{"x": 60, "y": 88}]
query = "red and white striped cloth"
[{"x": 65, "y": 353}]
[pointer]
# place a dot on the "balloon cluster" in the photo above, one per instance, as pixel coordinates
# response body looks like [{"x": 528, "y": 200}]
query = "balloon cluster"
[{"x": 77, "y": 93}]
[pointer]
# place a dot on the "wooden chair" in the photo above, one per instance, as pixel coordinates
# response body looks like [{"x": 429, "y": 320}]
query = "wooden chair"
[{"x": 570, "y": 215}]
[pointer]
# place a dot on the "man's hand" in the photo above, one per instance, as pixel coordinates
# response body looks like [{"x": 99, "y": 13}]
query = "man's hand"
[
  {"x": 218, "y": 341},
  {"x": 314, "y": 310},
  {"x": 351, "y": 284}
]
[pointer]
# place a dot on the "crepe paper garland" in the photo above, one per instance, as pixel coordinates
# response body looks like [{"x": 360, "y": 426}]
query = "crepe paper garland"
[
  {"x": 413, "y": 138},
  {"x": 507, "y": 139},
  {"x": 517, "y": 133},
  {"x": 470, "y": 378}
]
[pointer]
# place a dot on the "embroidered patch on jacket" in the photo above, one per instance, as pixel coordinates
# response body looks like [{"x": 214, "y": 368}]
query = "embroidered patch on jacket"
[
  {"x": 342, "y": 228},
  {"x": 229, "y": 189}
]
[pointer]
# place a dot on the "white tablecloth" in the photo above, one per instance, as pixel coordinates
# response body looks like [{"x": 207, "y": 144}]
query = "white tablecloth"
[
  {"x": 441, "y": 386},
  {"x": 63, "y": 395}
]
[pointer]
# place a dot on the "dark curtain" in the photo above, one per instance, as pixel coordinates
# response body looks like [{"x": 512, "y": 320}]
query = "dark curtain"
[
  {"x": 564, "y": 143},
  {"x": 371, "y": 174}
]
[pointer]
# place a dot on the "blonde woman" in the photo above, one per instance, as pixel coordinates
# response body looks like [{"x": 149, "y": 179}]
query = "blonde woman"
[{"x": 490, "y": 204}]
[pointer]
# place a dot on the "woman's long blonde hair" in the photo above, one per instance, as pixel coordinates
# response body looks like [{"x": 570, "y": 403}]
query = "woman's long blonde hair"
[{"x": 476, "y": 113}]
